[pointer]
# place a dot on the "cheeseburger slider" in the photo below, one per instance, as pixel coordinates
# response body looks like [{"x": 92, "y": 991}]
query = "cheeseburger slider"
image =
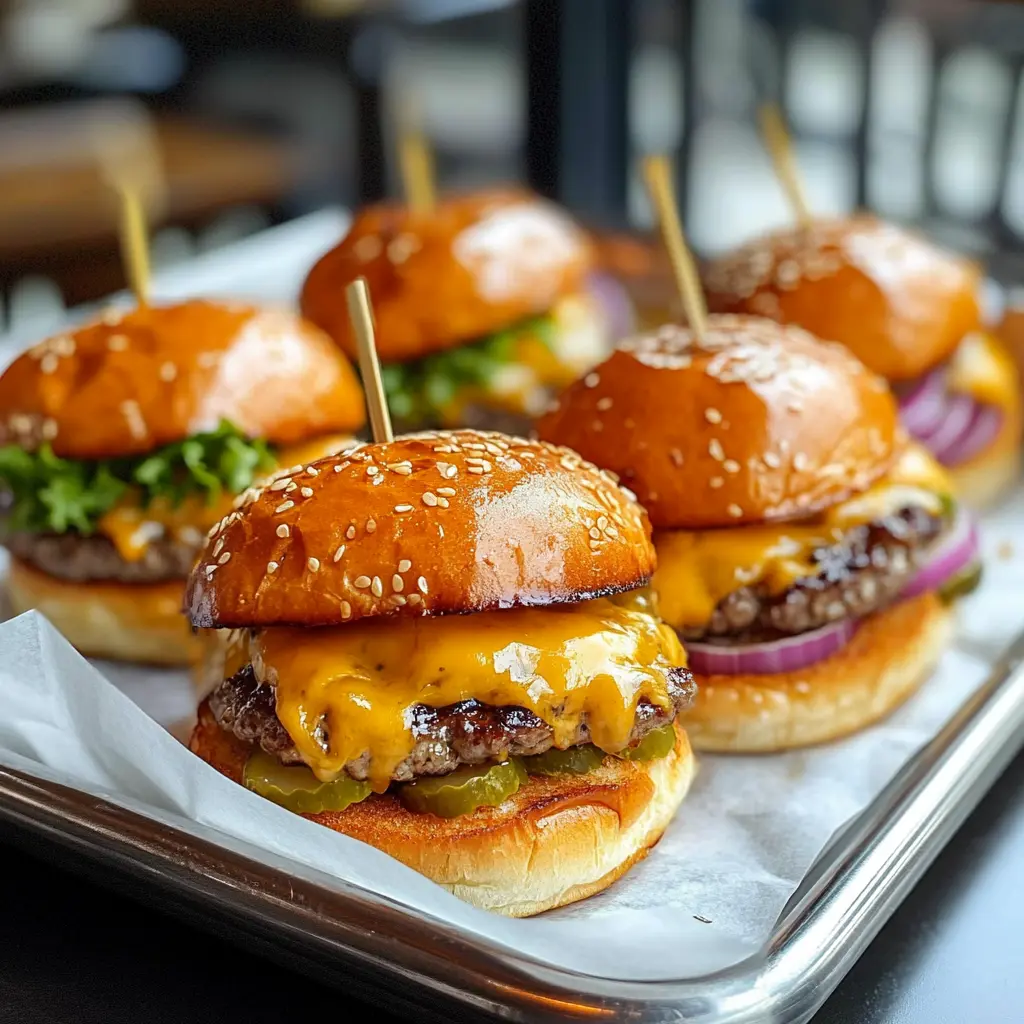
[
  {"x": 439, "y": 649},
  {"x": 484, "y": 306},
  {"x": 123, "y": 442},
  {"x": 908, "y": 311},
  {"x": 804, "y": 549}
]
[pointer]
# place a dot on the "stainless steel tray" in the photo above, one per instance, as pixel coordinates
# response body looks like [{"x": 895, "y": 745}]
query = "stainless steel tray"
[{"x": 365, "y": 942}]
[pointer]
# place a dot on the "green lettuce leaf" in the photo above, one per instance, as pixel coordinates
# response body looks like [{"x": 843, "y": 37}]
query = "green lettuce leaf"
[
  {"x": 49, "y": 494},
  {"x": 419, "y": 391}
]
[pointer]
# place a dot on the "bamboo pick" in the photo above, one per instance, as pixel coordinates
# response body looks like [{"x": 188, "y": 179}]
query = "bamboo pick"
[
  {"x": 780, "y": 147},
  {"x": 658, "y": 176},
  {"x": 134, "y": 241},
  {"x": 417, "y": 172},
  {"x": 360, "y": 313}
]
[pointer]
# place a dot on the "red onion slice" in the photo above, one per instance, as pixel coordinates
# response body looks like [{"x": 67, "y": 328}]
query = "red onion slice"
[
  {"x": 956, "y": 551},
  {"x": 959, "y": 415},
  {"x": 983, "y": 430},
  {"x": 923, "y": 409},
  {"x": 613, "y": 298},
  {"x": 786, "y": 655}
]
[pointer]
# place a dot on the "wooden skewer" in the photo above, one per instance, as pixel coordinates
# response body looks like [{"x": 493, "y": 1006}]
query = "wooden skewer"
[
  {"x": 134, "y": 241},
  {"x": 417, "y": 172},
  {"x": 780, "y": 148},
  {"x": 360, "y": 313},
  {"x": 658, "y": 175}
]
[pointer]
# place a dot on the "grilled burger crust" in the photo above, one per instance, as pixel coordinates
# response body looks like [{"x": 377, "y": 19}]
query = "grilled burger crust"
[
  {"x": 469, "y": 732},
  {"x": 863, "y": 574}
]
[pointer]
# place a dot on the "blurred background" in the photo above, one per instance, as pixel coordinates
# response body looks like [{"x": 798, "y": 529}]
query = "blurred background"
[{"x": 243, "y": 115}]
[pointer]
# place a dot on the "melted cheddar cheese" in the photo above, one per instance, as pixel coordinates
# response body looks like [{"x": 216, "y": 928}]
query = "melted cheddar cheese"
[
  {"x": 982, "y": 368},
  {"x": 696, "y": 570},
  {"x": 347, "y": 690},
  {"x": 132, "y": 528}
]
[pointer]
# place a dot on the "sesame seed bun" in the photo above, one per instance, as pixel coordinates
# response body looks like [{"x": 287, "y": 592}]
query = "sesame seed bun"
[
  {"x": 889, "y": 657},
  {"x": 428, "y": 524},
  {"x": 557, "y": 840},
  {"x": 899, "y": 303},
  {"x": 123, "y": 621},
  {"x": 759, "y": 422},
  {"x": 130, "y": 383},
  {"x": 473, "y": 266}
]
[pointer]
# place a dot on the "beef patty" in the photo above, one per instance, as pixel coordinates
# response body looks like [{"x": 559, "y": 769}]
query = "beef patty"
[
  {"x": 863, "y": 573},
  {"x": 72, "y": 556},
  {"x": 468, "y": 732}
]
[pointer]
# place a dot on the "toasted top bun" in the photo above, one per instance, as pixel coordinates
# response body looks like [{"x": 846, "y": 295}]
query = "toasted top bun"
[
  {"x": 425, "y": 525},
  {"x": 473, "y": 266},
  {"x": 130, "y": 383},
  {"x": 900, "y": 304},
  {"x": 759, "y": 422}
]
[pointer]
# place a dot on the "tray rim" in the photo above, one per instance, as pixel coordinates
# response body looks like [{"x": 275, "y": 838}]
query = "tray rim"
[{"x": 849, "y": 894}]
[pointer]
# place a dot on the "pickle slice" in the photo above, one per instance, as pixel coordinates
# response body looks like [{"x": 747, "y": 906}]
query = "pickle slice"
[
  {"x": 297, "y": 788},
  {"x": 463, "y": 790},
  {"x": 965, "y": 582},
  {"x": 574, "y": 761},
  {"x": 657, "y": 743}
]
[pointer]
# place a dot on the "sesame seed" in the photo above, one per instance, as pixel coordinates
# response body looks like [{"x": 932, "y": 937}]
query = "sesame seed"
[
  {"x": 376, "y": 587},
  {"x": 404, "y": 565},
  {"x": 284, "y": 506},
  {"x": 372, "y": 470},
  {"x": 224, "y": 559},
  {"x": 312, "y": 471},
  {"x": 49, "y": 429},
  {"x": 313, "y": 564},
  {"x": 280, "y": 485},
  {"x": 306, "y": 492},
  {"x": 117, "y": 342},
  {"x": 338, "y": 468},
  {"x": 362, "y": 582},
  {"x": 403, "y": 508},
  {"x": 429, "y": 499},
  {"x": 339, "y": 552},
  {"x": 715, "y": 450},
  {"x": 371, "y": 525},
  {"x": 271, "y": 567},
  {"x": 731, "y": 466},
  {"x": 676, "y": 456},
  {"x": 448, "y": 492},
  {"x": 771, "y": 460},
  {"x": 168, "y": 371},
  {"x": 397, "y": 583},
  {"x": 800, "y": 462},
  {"x": 716, "y": 481},
  {"x": 604, "y": 404},
  {"x": 48, "y": 363},
  {"x": 401, "y": 469},
  {"x": 414, "y": 599},
  {"x": 346, "y": 610},
  {"x": 735, "y": 511},
  {"x": 478, "y": 470},
  {"x": 218, "y": 547},
  {"x": 602, "y": 522},
  {"x": 292, "y": 486},
  {"x": 350, "y": 532},
  {"x": 283, "y": 530},
  {"x": 398, "y": 599},
  {"x": 712, "y": 415},
  {"x": 443, "y": 502},
  {"x": 210, "y": 570},
  {"x": 595, "y": 533},
  {"x": 592, "y": 380},
  {"x": 421, "y": 584}
]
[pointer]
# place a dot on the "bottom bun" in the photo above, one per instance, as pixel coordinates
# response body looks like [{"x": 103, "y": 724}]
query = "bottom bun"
[
  {"x": 890, "y": 655},
  {"x": 984, "y": 479},
  {"x": 124, "y": 621},
  {"x": 557, "y": 840}
]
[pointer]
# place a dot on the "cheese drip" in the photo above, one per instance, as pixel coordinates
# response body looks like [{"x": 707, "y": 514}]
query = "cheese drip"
[
  {"x": 696, "y": 570},
  {"x": 983, "y": 369},
  {"x": 591, "y": 661},
  {"x": 132, "y": 528}
]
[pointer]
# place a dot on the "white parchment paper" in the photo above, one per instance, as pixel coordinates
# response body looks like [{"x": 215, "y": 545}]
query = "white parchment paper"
[{"x": 706, "y": 897}]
